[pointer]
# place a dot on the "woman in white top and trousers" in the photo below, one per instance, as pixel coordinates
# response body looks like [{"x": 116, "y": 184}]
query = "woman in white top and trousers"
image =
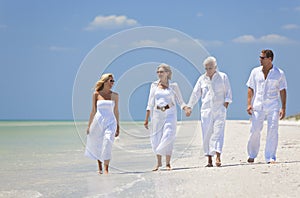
[
  {"x": 214, "y": 89},
  {"x": 162, "y": 101}
]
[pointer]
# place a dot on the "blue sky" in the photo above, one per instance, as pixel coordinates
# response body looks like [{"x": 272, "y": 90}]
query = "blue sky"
[{"x": 43, "y": 44}]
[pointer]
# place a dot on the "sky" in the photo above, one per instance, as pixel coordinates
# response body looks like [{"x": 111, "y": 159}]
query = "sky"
[{"x": 52, "y": 52}]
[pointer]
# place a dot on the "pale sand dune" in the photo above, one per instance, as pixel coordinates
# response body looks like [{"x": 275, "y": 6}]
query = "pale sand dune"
[{"x": 189, "y": 177}]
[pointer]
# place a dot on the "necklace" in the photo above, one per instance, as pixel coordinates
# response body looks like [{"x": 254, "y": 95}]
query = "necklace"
[{"x": 164, "y": 85}]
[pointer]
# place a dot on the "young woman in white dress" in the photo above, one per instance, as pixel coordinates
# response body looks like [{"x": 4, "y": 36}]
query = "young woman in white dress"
[
  {"x": 103, "y": 124},
  {"x": 162, "y": 109}
]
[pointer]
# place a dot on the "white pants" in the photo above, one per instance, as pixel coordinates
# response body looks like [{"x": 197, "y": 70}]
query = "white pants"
[
  {"x": 213, "y": 125},
  {"x": 258, "y": 118}
]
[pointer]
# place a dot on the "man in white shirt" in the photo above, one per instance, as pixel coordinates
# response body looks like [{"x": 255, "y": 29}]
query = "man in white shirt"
[
  {"x": 266, "y": 88},
  {"x": 214, "y": 89}
]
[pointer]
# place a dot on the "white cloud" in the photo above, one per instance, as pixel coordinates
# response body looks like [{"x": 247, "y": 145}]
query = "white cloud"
[
  {"x": 199, "y": 14},
  {"x": 111, "y": 22},
  {"x": 3, "y": 26},
  {"x": 274, "y": 38},
  {"x": 60, "y": 49},
  {"x": 270, "y": 38},
  {"x": 173, "y": 41},
  {"x": 169, "y": 42},
  {"x": 143, "y": 43},
  {"x": 213, "y": 43},
  {"x": 289, "y": 9},
  {"x": 244, "y": 39},
  {"x": 290, "y": 27},
  {"x": 177, "y": 42}
]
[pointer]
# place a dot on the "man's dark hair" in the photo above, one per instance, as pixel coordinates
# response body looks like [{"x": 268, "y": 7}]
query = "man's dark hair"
[{"x": 268, "y": 53}]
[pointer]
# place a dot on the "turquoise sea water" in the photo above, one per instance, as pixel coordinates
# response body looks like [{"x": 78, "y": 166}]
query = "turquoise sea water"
[
  {"x": 46, "y": 159},
  {"x": 38, "y": 158}
]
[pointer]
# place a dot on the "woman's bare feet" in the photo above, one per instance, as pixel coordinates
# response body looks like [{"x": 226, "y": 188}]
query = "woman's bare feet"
[
  {"x": 100, "y": 167},
  {"x": 168, "y": 167},
  {"x": 159, "y": 164},
  {"x": 168, "y": 159},
  {"x": 156, "y": 168},
  {"x": 105, "y": 169}
]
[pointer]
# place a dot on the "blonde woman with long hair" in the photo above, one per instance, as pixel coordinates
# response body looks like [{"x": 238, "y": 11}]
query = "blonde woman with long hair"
[
  {"x": 103, "y": 124},
  {"x": 163, "y": 97}
]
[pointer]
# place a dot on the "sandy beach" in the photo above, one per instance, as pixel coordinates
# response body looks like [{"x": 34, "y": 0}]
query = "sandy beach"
[
  {"x": 63, "y": 171},
  {"x": 236, "y": 177}
]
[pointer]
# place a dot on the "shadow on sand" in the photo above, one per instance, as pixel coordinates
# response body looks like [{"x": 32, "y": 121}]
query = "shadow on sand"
[
  {"x": 196, "y": 167},
  {"x": 258, "y": 163}
]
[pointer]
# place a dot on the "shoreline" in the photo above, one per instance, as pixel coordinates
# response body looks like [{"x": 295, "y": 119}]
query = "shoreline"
[{"x": 49, "y": 160}]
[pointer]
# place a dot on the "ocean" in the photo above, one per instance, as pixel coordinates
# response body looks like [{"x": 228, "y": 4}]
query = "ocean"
[{"x": 46, "y": 159}]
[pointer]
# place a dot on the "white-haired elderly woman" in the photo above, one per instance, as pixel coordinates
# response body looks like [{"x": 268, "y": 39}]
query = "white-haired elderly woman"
[
  {"x": 103, "y": 124},
  {"x": 214, "y": 89},
  {"x": 163, "y": 97}
]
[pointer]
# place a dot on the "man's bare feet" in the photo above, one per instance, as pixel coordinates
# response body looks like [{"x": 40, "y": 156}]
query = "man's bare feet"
[
  {"x": 250, "y": 160},
  {"x": 218, "y": 162},
  {"x": 209, "y": 163},
  {"x": 218, "y": 159}
]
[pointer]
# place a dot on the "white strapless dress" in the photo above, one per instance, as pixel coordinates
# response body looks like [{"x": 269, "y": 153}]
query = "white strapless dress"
[{"x": 102, "y": 132}]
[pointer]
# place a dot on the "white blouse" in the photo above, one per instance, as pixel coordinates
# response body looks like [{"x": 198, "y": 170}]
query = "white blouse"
[{"x": 176, "y": 96}]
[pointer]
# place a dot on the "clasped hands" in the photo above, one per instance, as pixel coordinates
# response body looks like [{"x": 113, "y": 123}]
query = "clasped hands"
[{"x": 187, "y": 110}]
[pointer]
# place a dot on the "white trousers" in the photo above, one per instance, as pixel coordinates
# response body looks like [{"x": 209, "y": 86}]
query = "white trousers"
[
  {"x": 258, "y": 118},
  {"x": 213, "y": 125}
]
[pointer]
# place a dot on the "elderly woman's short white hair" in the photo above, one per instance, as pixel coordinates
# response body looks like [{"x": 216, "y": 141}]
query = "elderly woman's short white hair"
[
  {"x": 166, "y": 68},
  {"x": 210, "y": 61}
]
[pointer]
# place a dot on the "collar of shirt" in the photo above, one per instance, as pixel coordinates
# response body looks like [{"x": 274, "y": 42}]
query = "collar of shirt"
[{"x": 213, "y": 77}]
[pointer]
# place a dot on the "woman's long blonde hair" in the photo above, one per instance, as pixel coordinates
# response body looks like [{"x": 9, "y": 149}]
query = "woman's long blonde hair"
[{"x": 100, "y": 83}]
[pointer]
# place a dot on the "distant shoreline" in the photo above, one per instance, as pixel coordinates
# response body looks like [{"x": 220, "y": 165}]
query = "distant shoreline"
[{"x": 84, "y": 122}]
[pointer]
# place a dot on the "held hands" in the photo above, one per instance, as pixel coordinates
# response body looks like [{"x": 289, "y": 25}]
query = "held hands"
[{"x": 188, "y": 111}]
